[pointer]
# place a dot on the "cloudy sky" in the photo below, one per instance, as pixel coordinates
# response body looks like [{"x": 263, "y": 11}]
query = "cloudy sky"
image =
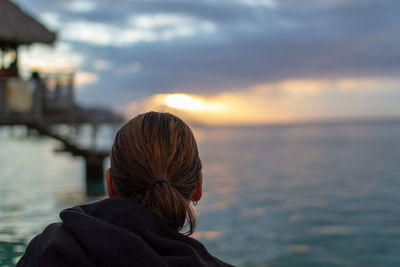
[{"x": 236, "y": 61}]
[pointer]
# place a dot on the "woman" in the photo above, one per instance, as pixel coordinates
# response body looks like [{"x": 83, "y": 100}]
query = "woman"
[{"x": 155, "y": 172}]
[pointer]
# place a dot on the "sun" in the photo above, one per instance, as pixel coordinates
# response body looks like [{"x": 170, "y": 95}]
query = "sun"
[{"x": 192, "y": 103}]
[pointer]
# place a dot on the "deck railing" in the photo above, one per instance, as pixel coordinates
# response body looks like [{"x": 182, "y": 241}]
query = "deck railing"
[
  {"x": 51, "y": 92},
  {"x": 3, "y": 107},
  {"x": 58, "y": 91}
]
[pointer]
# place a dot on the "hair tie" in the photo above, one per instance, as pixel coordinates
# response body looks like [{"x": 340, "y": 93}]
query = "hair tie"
[{"x": 157, "y": 180}]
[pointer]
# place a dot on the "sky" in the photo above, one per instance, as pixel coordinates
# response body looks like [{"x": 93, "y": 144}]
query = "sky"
[{"x": 227, "y": 62}]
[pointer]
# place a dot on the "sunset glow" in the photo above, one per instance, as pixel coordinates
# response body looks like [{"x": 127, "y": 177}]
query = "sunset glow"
[
  {"x": 186, "y": 102},
  {"x": 280, "y": 102}
]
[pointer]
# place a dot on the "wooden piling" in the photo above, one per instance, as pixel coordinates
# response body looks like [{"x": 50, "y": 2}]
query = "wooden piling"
[{"x": 95, "y": 185}]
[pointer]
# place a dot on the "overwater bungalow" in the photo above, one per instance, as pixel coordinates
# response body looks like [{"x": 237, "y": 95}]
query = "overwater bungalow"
[
  {"x": 44, "y": 100},
  {"x": 52, "y": 98},
  {"x": 17, "y": 28}
]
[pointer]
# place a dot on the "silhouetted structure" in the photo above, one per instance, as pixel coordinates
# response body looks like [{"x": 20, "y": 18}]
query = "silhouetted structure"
[
  {"x": 45, "y": 100},
  {"x": 18, "y": 28}
]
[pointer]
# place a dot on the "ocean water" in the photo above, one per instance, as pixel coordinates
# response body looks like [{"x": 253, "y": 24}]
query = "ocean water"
[{"x": 294, "y": 195}]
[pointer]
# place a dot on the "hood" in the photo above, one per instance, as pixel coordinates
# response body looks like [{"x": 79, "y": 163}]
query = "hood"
[{"x": 117, "y": 232}]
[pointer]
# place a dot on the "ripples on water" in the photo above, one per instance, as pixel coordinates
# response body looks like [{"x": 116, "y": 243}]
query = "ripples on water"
[{"x": 322, "y": 195}]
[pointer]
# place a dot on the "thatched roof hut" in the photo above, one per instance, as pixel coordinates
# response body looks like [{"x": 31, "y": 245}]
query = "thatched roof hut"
[{"x": 17, "y": 27}]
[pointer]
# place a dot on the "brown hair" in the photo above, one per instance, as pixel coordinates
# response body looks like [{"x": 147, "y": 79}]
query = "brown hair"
[{"x": 152, "y": 146}]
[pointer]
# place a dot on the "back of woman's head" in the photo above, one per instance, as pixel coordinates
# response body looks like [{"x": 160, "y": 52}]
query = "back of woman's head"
[{"x": 151, "y": 147}]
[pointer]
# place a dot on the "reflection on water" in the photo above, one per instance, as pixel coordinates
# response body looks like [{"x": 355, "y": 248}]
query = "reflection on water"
[
  {"x": 322, "y": 195},
  {"x": 35, "y": 183}
]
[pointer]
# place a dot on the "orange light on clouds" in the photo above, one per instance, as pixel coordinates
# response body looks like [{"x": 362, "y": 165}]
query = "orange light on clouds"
[
  {"x": 222, "y": 109},
  {"x": 279, "y": 102}
]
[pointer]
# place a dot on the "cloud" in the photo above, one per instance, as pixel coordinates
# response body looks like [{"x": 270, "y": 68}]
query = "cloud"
[
  {"x": 101, "y": 65},
  {"x": 141, "y": 28},
  {"x": 211, "y": 47},
  {"x": 81, "y": 6},
  {"x": 104, "y": 35},
  {"x": 82, "y": 78},
  {"x": 61, "y": 57}
]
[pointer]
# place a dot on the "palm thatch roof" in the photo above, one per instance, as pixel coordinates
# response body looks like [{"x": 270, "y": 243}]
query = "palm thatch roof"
[{"x": 17, "y": 27}]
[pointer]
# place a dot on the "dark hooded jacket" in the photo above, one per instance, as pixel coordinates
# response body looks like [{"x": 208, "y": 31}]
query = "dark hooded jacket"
[{"x": 114, "y": 232}]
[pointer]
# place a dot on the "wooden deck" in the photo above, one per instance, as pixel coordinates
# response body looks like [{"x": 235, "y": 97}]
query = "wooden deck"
[{"x": 54, "y": 106}]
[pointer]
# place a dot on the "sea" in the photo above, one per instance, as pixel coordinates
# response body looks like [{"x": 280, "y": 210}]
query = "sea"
[{"x": 316, "y": 194}]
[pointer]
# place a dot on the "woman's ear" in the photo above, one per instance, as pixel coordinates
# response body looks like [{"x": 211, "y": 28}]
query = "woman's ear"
[
  {"x": 198, "y": 190},
  {"x": 112, "y": 192}
]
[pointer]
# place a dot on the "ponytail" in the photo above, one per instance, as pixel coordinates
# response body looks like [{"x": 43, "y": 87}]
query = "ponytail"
[{"x": 163, "y": 199}]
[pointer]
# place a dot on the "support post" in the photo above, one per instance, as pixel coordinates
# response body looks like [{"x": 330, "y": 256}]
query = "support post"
[
  {"x": 57, "y": 97},
  {"x": 38, "y": 96},
  {"x": 94, "y": 175},
  {"x": 3, "y": 102},
  {"x": 71, "y": 90},
  {"x": 16, "y": 67}
]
